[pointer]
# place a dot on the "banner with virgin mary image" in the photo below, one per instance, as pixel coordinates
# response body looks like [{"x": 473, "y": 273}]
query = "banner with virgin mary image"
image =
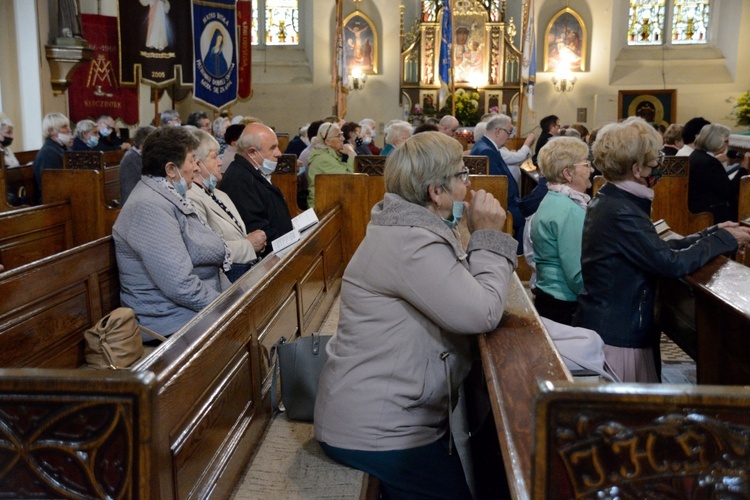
[
  {"x": 214, "y": 54},
  {"x": 154, "y": 39}
]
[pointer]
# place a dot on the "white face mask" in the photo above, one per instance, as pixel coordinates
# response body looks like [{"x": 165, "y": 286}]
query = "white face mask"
[
  {"x": 64, "y": 139},
  {"x": 456, "y": 215},
  {"x": 268, "y": 167}
]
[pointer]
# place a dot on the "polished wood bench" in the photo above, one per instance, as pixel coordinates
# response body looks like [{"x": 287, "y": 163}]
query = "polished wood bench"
[
  {"x": 17, "y": 180},
  {"x": 285, "y": 178},
  {"x": 184, "y": 420},
  {"x": 375, "y": 164},
  {"x": 31, "y": 233}
]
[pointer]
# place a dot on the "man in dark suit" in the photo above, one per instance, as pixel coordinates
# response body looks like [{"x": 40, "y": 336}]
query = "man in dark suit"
[
  {"x": 550, "y": 128},
  {"x": 499, "y": 130},
  {"x": 247, "y": 181}
]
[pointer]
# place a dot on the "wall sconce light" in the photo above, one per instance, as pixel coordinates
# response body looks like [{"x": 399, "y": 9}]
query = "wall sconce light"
[
  {"x": 564, "y": 82},
  {"x": 357, "y": 79}
]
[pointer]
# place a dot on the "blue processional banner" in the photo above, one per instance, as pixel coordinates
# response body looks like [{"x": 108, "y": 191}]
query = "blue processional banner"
[{"x": 214, "y": 52}]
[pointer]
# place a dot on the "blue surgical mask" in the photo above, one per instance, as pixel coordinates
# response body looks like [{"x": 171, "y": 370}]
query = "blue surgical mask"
[
  {"x": 458, "y": 213},
  {"x": 181, "y": 187},
  {"x": 210, "y": 183},
  {"x": 93, "y": 141},
  {"x": 268, "y": 167},
  {"x": 105, "y": 132}
]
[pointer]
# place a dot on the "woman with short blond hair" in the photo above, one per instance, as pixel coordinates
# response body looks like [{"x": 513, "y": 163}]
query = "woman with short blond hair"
[{"x": 622, "y": 255}]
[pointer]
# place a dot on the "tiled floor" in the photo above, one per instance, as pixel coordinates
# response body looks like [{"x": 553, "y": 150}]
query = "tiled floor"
[{"x": 676, "y": 366}]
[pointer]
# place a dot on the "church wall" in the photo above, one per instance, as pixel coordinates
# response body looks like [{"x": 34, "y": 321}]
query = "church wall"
[{"x": 293, "y": 86}]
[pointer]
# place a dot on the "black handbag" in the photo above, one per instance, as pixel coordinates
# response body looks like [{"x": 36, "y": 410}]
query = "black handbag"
[{"x": 299, "y": 364}]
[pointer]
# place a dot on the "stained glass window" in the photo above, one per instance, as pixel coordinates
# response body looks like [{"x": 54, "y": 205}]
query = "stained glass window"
[
  {"x": 646, "y": 22},
  {"x": 687, "y": 22},
  {"x": 280, "y": 22},
  {"x": 690, "y": 21}
]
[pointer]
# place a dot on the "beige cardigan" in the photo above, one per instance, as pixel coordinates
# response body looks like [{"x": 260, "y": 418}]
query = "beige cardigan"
[{"x": 217, "y": 219}]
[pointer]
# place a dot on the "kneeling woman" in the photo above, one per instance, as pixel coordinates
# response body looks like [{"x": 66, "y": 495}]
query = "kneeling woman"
[
  {"x": 170, "y": 262},
  {"x": 622, "y": 255},
  {"x": 412, "y": 302}
]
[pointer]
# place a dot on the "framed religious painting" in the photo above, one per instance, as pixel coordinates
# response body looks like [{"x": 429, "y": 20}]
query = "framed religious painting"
[
  {"x": 565, "y": 42},
  {"x": 360, "y": 44},
  {"x": 658, "y": 107}
]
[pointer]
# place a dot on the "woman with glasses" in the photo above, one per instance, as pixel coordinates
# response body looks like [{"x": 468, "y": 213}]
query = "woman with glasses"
[
  {"x": 328, "y": 146},
  {"x": 412, "y": 301},
  {"x": 622, "y": 255},
  {"x": 710, "y": 189},
  {"x": 557, "y": 225}
]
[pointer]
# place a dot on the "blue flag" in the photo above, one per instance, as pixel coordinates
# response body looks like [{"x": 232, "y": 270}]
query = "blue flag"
[
  {"x": 215, "y": 52},
  {"x": 446, "y": 40}
]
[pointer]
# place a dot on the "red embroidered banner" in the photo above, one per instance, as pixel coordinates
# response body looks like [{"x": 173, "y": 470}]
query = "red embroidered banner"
[
  {"x": 244, "y": 25},
  {"x": 96, "y": 89}
]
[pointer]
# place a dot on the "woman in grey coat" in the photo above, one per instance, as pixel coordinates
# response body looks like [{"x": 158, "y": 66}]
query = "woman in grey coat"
[
  {"x": 170, "y": 262},
  {"x": 412, "y": 302}
]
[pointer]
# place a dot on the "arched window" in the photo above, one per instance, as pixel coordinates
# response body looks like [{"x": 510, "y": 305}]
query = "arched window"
[
  {"x": 665, "y": 22},
  {"x": 279, "y": 20}
]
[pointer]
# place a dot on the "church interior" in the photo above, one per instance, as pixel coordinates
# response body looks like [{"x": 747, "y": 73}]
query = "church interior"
[{"x": 195, "y": 415}]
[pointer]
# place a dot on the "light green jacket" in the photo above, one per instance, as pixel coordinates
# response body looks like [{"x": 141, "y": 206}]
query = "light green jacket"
[{"x": 325, "y": 161}]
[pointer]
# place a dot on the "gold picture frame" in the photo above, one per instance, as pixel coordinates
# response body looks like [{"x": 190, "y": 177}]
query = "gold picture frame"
[
  {"x": 658, "y": 107},
  {"x": 565, "y": 42},
  {"x": 360, "y": 43}
]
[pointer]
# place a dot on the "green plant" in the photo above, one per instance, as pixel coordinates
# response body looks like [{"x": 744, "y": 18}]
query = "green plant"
[
  {"x": 467, "y": 107},
  {"x": 742, "y": 109}
]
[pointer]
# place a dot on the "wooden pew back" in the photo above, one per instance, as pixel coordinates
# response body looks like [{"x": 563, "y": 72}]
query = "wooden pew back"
[
  {"x": 375, "y": 164},
  {"x": 670, "y": 198},
  {"x": 48, "y": 304},
  {"x": 29, "y": 234},
  {"x": 359, "y": 192},
  {"x": 285, "y": 178},
  {"x": 682, "y": 441},
  {"x": 17, "y": 181}
]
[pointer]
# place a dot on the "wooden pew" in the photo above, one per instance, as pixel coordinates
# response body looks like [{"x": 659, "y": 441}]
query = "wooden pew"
[
  {"x": 32, "y": 233},
  {"x": 743, "y": 214},
  {"x": 369, "y": 190},
  {"x": 285, "y": 178},
  {"x": 375, "y": 164},
  {"x": 17, "y": 180},
  {"x": 184, "y": 420},
  {"x": 91, "y": 181},
  {"x": 644, "y": 440}
]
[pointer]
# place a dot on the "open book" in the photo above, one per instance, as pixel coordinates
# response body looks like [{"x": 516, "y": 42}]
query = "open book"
[{"x": 306, "y": 219}]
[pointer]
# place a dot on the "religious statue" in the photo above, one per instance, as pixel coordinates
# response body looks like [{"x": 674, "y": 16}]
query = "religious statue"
[{"x": 68, "y": 22}]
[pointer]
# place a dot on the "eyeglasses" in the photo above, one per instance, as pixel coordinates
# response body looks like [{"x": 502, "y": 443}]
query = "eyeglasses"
[
  {"x": 463, "y": 175},
  {"x": 586, "y": 164},
  {"x": 509, "y": 132},
  {"x": 659, "y": 160}
]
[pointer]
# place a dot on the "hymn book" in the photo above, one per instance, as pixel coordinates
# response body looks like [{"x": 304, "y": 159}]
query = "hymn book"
[{"x": 305, "y": 220}]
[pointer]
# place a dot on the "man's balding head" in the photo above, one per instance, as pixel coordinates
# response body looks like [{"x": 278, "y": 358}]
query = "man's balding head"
[{"x": 448, "y": 125}]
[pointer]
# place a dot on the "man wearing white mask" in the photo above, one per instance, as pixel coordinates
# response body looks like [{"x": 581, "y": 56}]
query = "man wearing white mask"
[
  {"x": 58, "y": 138},
  {"x": 374, "y": 150},
  {"x": 247, "y": 181}
]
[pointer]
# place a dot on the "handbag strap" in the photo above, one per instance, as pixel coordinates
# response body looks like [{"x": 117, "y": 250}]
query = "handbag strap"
[
  {"x": 152, "y": 333},
  {"x": 273, "y": 362}
]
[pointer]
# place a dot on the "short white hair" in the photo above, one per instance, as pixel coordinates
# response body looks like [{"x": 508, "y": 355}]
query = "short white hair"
[
  {"x": 53, "y": 121},
  {"x": 479, "y": 131},
  {"x": 84, "y": 127}
]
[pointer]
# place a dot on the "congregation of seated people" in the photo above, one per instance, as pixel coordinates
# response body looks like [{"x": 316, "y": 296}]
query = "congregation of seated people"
[{"x": 200, "y": 209}]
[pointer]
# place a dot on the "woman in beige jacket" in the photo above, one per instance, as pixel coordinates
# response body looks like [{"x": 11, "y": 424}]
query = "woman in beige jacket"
[
  {"x": 216, "y": 209},
  {"x": 412, "y": 302}
]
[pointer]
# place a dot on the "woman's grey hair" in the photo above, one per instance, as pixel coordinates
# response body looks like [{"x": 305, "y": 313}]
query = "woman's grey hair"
[
  {"x": 397, "y": 133},
  {"x": 5, "y": 121},
  {"x": 220, "y": 125},
  {"x": 325, "y": 132},
  {"x": 168, "y": 115},
  {"x": 559, "y": 154},
  {"x": 711, "y": 137},
  {"x": 84, "y": 127},
  {"x": 424, "y": 160},
  {"x": 619, "y": 146},
  {"x": 571, "y": 132},
  {"x": 53, "y": 121},
  {"x": 141, "y": 133},
  {"x": 206, "y": 144}
]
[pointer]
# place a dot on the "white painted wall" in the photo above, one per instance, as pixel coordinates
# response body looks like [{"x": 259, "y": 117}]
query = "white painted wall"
[{"x": 292, "y": 87}]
